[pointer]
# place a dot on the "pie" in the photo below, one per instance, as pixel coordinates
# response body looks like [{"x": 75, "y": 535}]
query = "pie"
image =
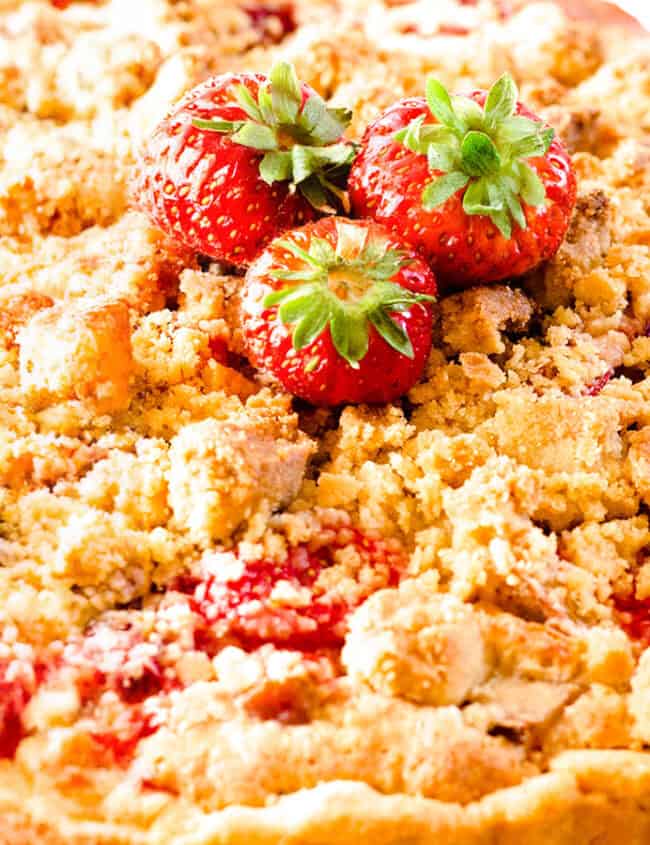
[{"x": 229, "y": 617}]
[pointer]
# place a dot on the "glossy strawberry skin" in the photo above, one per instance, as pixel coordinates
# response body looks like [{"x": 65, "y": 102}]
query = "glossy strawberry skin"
[
  {"x": 387, "y": 181},
  {"x": 383, "y": 374},
  {"x": 203, "y": 189}
]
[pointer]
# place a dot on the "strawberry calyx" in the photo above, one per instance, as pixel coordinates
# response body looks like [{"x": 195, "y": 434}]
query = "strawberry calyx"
[
  {"x": 348, "y": 288},
  {"x": 299, "y": 135},
  {"x": 482, "y": 150}
]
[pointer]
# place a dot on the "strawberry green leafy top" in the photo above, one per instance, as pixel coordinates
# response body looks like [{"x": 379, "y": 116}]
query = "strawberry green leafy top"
[
  {"x": 301, "y": 142},
  {"x": 349, "y": 288},
  {"x": 483, "y": 150}
]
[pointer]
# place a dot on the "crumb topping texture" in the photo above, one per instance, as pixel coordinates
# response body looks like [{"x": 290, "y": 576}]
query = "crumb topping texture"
[{"x": 230, "y": 617}]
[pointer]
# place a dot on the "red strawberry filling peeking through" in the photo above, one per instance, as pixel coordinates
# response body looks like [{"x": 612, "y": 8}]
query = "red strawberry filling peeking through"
[
  {"x": 273, "y": 22},
  {"x": 634, "y": 616},
  {"x": 300, "y": 603}
]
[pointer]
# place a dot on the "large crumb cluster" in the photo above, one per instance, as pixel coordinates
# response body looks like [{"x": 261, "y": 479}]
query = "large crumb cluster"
[{"x": 481, "y": 536}]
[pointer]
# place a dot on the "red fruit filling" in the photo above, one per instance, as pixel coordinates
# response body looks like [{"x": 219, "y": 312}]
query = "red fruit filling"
[
  {"x": 122, "y": 740},
  {"x": 113, "y": 655},
  {"x": 63, "y": 4},
  {"x": 634, "y": 616},
  {"x": 505, "y": 8},
  {"x": 281, "y": 603},
  {"x": 291, "y": 604},
  {"x": 273, "y": 23},
  {"x": 453, "y": 29},
  {"x": 15, "y": 695}
]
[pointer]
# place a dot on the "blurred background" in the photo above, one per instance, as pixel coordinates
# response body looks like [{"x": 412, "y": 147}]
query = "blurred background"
[{"x": 640, "y": 8}]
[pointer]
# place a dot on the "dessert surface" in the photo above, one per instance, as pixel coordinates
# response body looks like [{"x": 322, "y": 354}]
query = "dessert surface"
[{"x": 230, "y": 616}]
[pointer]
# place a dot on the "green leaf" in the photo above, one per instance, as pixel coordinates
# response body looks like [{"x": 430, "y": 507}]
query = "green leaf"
[
  {"x": 438, "y": 192},
  {"x": 322, "y": 251},
  {"x": 313, "y": 112},
  {"x": 496, "y": 193},
  {"x": 289, "y": 292},
  {"x": 548, "y": 135},
  {"x": 434, "y": 140},
  {"x": 436, "y": 133},
  {"x": 265, "y": 103},
  {"x": 218, "y": 125},
  {"x": 515, "y": 209},
  {"x": 502, "y": 221},
  {"x": 374, "y": 251},
  {"x": 501, "y": 100},
  {"x": 389, "y": 295},
  {"x": 257, "y": 136},
  {"x": 325, "y": 125},
  {"x": 479, "y": 155},
  {"x": 515, "y": 128},
  {"x": 285, "y": 92},
  {"x": 349, "y": 330},
  {"x": 342, "y": 113},
  {"x": 310, "y": 161},
  {"x": 477, "y": 199},
  {"x": 303, "y": 163},
  {"x": 532, "y": 145},
  {"x": 302, "y": 301},
  {"x": 306, "y": 275},
  {"x": 469, "y": 112},
  {"x": 316, "y": 195},
  {"x": 443, "y": 158},
  {"x": 392, "y": 332},
  {"x": 295, "y": 308},
  {"x": 310, "y": 326},
  {"x": 381, "y": 264},
  {"x": 520, "y": 137},
  {"x": 298, "y": 251},
  {"x": 533, "y": 191},
  {"x": 410, "y": 136},
  {"x": 441, "y": 107},
  {"x": 246, "y": 101},
  {"x": 276, "y": 166}
]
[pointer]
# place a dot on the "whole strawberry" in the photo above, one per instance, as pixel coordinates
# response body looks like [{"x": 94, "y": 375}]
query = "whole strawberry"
[
  {"x": 240, "y": 159},
  {"x": 478, "y": 184},
  {"x": 339, "y": 311}
]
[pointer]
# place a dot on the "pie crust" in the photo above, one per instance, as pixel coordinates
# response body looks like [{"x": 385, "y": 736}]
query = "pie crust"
[{"x": 447, "y": 599}]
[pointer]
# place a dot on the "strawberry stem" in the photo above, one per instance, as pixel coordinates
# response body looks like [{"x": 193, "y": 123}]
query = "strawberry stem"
[
  {"x": 348, "y": 288},
  {"x": 482, "y": 151},
  {"x": 301, "y": 142}
]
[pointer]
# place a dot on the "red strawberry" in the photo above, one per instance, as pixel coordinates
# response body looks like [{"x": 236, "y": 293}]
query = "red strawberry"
[
  {"x": 339, "y": 311},
  {"x": 240, "y": 159},
  {"x": 478, "y": 184}
]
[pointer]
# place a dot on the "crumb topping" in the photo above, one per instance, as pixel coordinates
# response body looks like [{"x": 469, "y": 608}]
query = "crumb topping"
[{"x": 212, "y": 595}]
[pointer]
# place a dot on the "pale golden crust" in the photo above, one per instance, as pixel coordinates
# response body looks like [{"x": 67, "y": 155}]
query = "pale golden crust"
[{"x": 493, "y": 697}]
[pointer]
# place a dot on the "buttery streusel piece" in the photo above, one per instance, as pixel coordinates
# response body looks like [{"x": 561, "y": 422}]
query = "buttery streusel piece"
[{"x": 231, "y": 616}]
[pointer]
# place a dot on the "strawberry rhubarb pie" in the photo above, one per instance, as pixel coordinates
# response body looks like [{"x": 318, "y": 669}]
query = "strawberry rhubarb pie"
[{"x": 324, "y": 423}]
